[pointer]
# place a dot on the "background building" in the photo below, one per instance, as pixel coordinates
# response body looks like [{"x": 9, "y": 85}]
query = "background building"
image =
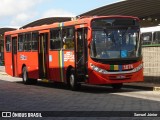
[
  {"x": 147, "y": 10},
  {"x": 2, "y": 31}
]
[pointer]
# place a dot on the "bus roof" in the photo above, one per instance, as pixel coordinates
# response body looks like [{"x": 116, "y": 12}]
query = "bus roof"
[
  {"x": 150, "y": 29},
  {"x": 77, "y": 21}
]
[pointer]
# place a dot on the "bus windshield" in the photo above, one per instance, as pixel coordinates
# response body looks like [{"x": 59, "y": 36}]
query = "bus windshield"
[{"x": 115, "y": 42}]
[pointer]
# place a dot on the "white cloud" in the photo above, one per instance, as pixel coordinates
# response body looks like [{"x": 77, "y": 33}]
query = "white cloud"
[
  {"x": 20, "y": 19},
  {"x": 58, "y": 13},
  {"x": 18, "y": 12},
  {"x": 22, "y": 12},
  {"x": 11, "y": 7},
  {"x": 121, "y": 0}
]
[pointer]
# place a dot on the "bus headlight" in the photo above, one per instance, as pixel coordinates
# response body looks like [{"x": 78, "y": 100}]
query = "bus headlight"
[
  {"x": 97, "y": 69},
  {"x": 102, "y": 71}
]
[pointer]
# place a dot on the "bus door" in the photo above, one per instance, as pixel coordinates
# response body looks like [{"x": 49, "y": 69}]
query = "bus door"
[
  {"x": 81, "y": 54},
  {"x": 14, "y": 55},
  {"x": 43, "y": 55}
]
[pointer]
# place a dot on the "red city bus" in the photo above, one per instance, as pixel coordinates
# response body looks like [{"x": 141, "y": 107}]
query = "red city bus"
[{"x": 93, "y": 50}]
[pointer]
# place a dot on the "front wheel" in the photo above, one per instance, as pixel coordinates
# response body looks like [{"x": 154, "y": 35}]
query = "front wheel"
[
  {"x": 117, "y": 86},
  {"x": 72, "y": 82}
]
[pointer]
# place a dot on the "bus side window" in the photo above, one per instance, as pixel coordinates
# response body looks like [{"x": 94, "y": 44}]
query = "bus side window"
[
  {"x": 68, "y": 38},
  {"x": 34, "y": 41},
  {"x": 8, "y": 43},
  {"x": 20, "y": 42},
  {"x": 156, "y": 37},
  {"x": 55, "y": 39},
  {"x": 146, "y": 38},
  {"x": 27, "y": 41}
]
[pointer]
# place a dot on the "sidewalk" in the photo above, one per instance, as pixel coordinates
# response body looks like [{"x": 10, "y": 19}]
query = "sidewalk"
[
  {"x": 143, "y": 85},
  {"x": 2, "y": 70},
  {"x": 3, "y": 73},
  {"x": 6, "y": 77}
]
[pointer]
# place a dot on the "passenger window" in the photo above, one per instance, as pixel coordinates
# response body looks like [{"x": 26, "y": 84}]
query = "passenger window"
[
  {"x": 8, "y": 43},
  {"x": 68, "y": 38},
  {"x": 146, "y": 38},
  {"x": 20, "y": 43},
  {"x": 27, "y": 42},
  {"x": 55, "y": 39},
  {"x": 34, "y": 41},
  {"x": 156, "y": 38}
]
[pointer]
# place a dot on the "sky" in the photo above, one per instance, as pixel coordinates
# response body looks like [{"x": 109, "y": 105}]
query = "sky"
[{"x": 17, "y": 13}]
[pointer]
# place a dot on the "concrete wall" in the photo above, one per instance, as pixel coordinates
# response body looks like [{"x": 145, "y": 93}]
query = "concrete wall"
[{"x": 151, "y": 59}]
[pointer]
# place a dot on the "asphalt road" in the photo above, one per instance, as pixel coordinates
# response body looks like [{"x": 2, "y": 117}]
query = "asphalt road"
[{"x": 15, "y": 96}]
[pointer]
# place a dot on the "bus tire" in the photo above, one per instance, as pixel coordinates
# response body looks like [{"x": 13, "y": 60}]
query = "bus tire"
[
  {"x": 117, "y": 86},
  {"x": 72, "y": 81},
  {"x": 25, "y": 75},
  {"x": 25, "y": 78}
]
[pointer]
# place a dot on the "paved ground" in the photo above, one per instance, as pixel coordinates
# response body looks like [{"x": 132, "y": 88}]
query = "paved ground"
[
  {"x": 14, "y": 96},
  {"x": 2, "y": 69}
]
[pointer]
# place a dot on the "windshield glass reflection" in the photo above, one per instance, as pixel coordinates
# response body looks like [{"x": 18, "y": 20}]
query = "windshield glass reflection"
[{"x": 115, "y": 43}]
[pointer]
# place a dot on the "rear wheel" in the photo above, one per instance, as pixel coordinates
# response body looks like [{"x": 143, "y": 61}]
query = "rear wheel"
[
  {"x": 117, "y": 86},
  {"x": 72, "y": 81},
  {"x": 25, "y": 78}
]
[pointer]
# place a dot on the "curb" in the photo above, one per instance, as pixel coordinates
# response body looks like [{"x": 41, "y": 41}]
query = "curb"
[
  {"x": 138, "y": 87},
  {"x": 156, "y": 89},
  {"x": 143, "y": 87},
  {"x": 3, "y": 73}
]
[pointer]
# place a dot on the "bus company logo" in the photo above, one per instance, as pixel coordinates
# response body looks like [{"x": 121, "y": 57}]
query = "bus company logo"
[
  {"x": 69, "y": 56},
  {"x": 23, "y": 57}
]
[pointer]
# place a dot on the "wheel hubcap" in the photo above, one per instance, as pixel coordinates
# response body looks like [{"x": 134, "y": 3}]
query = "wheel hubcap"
[
  {"x": 72, "y": 80},
  {"x": 24, "y": 76}
]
